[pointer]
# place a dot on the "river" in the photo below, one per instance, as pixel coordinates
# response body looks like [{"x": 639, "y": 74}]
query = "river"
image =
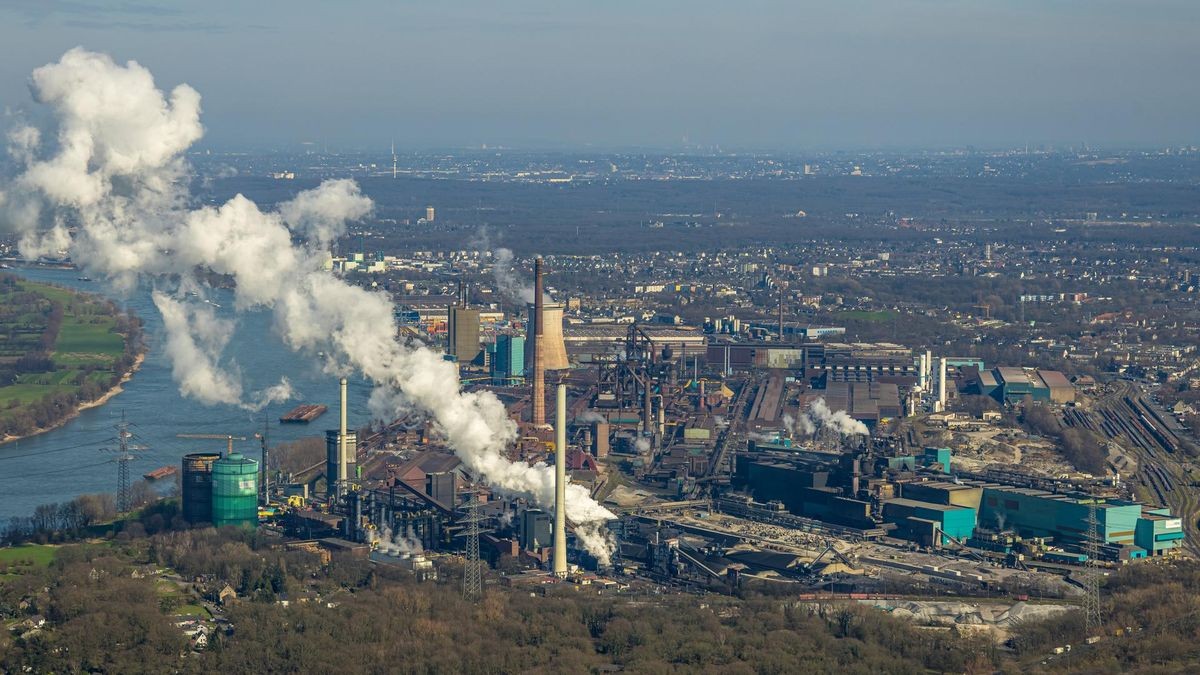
[{"x": 71, "y": 460}]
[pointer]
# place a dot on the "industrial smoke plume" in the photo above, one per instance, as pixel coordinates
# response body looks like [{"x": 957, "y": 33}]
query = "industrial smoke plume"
[
  {"x": 108, "y": 191},
  {"x": 819, "y": 416},
  {"x": 509, "y": 283}
]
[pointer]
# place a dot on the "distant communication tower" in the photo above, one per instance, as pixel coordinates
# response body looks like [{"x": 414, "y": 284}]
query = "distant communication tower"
[
  {"x": 473, "y": 567},
  {"x": 124, "y": 452},
  {"x": 1091, "y": 581}
]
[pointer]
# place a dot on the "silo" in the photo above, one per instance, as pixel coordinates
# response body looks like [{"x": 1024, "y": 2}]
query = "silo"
[
  {"x": 197, "y": 486},
  {"x": 235, "y": 491}
]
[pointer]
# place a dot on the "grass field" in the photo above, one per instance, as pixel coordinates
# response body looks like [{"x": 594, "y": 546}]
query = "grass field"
[
  {"x": 40, "y": 554},
  {"x": 197, "y": 611},
  {"x": 86, "y": 341},
  {"x": 28, "y": 392}
]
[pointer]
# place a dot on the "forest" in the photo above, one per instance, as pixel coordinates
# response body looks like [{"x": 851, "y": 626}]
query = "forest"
[{"x": 114, "y": 603}]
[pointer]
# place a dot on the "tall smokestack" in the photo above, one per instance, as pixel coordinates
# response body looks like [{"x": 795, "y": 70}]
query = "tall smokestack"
[
  {"x": 342, "y": 442},
  {"x": 942, "y": 382},
  {"x": 647, "y": 410},
  {"x": 560, "y": 484},
  {"x": 539, "y": 366},
  {"x": 781, "y": 312},
  {"x": 662, "y": 418}
]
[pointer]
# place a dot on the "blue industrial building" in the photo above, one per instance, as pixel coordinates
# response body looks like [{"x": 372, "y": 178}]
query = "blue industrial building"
[
  {"x": 937, "y": 458},
  {"x": 929, "y": 523},
  {"x": 508, "y": 359},
  {"x": 1064, "y": 517},
  {"x": 931, "y": 508}
]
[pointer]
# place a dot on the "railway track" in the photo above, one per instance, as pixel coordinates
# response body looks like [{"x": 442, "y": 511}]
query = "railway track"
[{"x": 1126, "y": 417}]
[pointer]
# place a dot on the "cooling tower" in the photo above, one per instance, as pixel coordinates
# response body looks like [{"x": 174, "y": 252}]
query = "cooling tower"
[
  {"x": 552, "y": 338},
  {"x": 560, "y": 484}
]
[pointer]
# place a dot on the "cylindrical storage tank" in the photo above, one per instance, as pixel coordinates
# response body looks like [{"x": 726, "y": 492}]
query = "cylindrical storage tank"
[
  {"x": 196, "y": 484},
  {"x": 235, "y": 491}
]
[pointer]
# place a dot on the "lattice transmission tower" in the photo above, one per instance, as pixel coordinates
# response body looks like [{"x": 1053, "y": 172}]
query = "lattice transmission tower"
[
  {"x": 124, "y": 455},
  {"x": 473, "y": 566},
  {"x": 1091, "y": 580}
]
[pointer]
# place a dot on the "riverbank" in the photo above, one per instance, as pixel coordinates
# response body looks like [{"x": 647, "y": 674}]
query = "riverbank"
[
  {"x": 65, "y": 350},
  {"x": 95, "y": 403},
  {"x": 61, "y": 464}
]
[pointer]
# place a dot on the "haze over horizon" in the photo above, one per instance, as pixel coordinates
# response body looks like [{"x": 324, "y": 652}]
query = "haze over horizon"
[{"x": 774, "y": 76}]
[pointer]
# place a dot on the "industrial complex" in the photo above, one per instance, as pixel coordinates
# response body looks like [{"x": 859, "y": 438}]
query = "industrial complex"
[{"x": 727, "y": 455}]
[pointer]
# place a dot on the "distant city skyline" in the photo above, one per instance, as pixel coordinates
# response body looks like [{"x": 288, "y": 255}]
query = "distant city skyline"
[{"x": 781, "y": 76}]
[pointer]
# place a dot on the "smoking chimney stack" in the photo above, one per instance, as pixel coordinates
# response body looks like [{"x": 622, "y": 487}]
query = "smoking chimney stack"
[
  {"x": 539, "y": 349},
  {"x": 560, "y": 484}
]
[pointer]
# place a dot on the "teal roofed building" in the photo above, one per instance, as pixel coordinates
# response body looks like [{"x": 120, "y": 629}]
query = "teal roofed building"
[{"x": 1037, "y": 513}]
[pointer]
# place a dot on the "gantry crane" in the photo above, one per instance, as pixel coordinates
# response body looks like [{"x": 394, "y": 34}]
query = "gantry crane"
[{"x": 228, "y": 437}]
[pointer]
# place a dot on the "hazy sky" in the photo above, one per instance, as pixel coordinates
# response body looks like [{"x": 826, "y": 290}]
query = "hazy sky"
[{"x": 617, "y": 73}]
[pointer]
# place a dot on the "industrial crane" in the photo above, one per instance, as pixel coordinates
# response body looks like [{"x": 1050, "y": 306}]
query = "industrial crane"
[
  {"x": 228, "y": 437},
  {"x": 810, "y": 567}
]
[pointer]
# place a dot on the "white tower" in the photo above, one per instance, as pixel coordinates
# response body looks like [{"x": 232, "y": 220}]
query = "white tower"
[
  {"x": 560, "y": 485},
  {"x": 342, "y": 456},
  {"x": 942, "y": 382}
]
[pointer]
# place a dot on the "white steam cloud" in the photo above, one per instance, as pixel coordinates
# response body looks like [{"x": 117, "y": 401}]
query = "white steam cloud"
[
  {"x": 508, "y": 282},
  {"x": 110, "y": 193},
  {"x": 396, "y": 544},
  {"x": 819, "y": 417},
  {"x": 196, "y": 337}
]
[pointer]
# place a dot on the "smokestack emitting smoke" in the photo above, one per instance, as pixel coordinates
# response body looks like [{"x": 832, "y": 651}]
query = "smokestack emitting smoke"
[
  {"x": 507, "y": 281},
  {"x": 819, "y": 416},
  {"x": 118, "y": 176},
  {"x": 538, "y": 393},
  {"x": 560, "y": 484}
]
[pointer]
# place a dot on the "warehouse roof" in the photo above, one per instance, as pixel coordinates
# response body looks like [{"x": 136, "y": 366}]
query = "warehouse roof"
[
  {"x": 1054, "y": 379},
  {"x": 914, "y": 504}
]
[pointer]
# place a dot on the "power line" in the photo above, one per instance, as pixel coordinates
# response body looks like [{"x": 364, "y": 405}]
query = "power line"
[
  {"x": 1091, "y": 582},
  {"x": 48, "y": 452},
  {"x": 124, "y": 456},
  {"x": 472, "y": 572},
  {"x": 39, "y": 474}
]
